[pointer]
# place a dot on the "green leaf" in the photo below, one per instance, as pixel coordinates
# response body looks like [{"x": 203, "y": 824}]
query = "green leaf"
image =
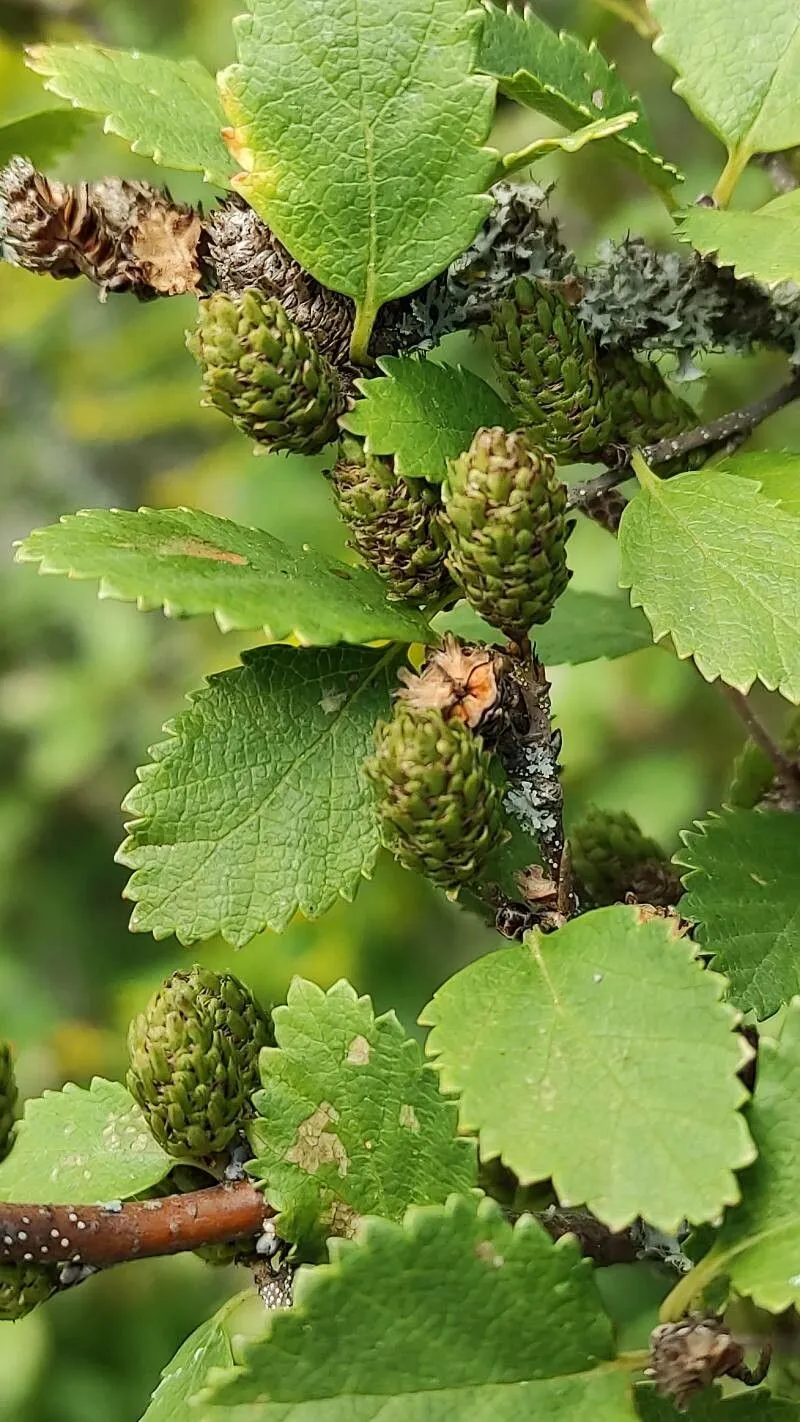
[
  {"x": 209, "y": 1348},
  {"x": 776, "y": 471},
  {"x": 763, "y": 244},
  {"x": 716, "y": 564},
  {"x": 351, "y": 1121},
  {"x": 559, "y": 77},
  {"x": 632, "y": 1295},
  {"x": 360, "y": 130},
  {"x": 565, "y": 142},
  {"x": 606, "y": 1025},
  {"x": 82, "y": 1145},
  {"x": 584, "y": 627},
  {"x": 742, "y": 890},
  {"x": 738, "y": 66},
  {"x": 41, "y": 137},
  {"x": 167, "y": 109},
  {"x": 759, "y": 1245},
  {"x": 452, "y": 1314},
  {"x": 465, "y": 622},
  {"x": 424, "y": 414},
  {"x": 192, "y": 563},
  {"x": 711, "y": 1406},
  {"x": 255, "y": 807}
]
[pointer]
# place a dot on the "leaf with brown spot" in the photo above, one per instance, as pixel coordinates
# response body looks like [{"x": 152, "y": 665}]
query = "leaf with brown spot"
[
  {"x": 316, "y": 1145},
  {"x": 192, "y": 563},
  {"x": 378, "y": 1139}
]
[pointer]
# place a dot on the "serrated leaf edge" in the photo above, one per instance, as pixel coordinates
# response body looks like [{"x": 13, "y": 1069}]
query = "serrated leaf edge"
[
  {"x": 748, "y": 1151},
  {"x": 592, "y": 48},
  {"x": 739, "y": 268},
  {"x": 680, "y": 644},
  {"x": 415, "y": 1225},
  {"x": 175, "y": 611},
  {"x": 162, "y": 750},
  {"x": 33, "y": 59}
]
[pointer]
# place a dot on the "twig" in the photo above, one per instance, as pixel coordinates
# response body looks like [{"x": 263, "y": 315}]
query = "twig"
[
  {"x": 535, "y": 798},
  {"x": 99, "y": 1235},
  {"x": 783, "y": 763},
  {"x": 735, "y": 425},
  {"x": 597, "y": 1241}
]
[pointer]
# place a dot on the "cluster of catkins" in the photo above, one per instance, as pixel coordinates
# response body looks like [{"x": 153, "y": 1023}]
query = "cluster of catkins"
[
  {"x": 494, "y": 532},
  {"x": 193, "y": 1071},
  {"x": 273, "y": 347}
]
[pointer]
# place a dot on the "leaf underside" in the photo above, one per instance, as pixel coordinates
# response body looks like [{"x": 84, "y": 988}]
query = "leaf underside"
[
  {"x": 759, "y": 1245},
  {"x": 559, "y": 77},
  {"x": 742, "y": 889},
  {"x": 764, "y": 244},
  {"x": 738, "y": 68},
  {"x": 776, "y": 471},
  {"x": 191, "y": 563},
  {"x": 739, "y": 555},
  {"x": 167, "y": 109},
  {"x": 255, "y": 807}
]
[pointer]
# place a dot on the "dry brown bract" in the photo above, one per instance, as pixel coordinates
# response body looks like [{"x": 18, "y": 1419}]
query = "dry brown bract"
[
  {"x": 687, "y": 1357},
  {"x": 464, "y": 682},
  {"x": 123, "y": 236}
]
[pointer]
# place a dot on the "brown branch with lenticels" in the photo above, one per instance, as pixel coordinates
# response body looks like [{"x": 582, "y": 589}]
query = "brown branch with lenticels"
[{"x": 100, "y": 1235}]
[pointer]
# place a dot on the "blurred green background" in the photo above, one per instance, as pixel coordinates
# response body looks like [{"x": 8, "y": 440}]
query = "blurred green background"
[{"x": 99, "y": 406}]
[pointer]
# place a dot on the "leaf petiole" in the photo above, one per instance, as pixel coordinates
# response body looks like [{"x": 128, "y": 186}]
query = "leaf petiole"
[{"x": 738, "y": 159}]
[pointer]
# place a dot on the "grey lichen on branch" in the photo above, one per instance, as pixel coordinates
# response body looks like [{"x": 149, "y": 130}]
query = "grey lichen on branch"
[{"x": 131, "y": 236}]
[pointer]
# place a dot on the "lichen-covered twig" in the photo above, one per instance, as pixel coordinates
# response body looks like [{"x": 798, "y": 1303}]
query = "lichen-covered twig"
[
  {"x": 530, "y": 756},
  {"x": 632, "y": 296}
]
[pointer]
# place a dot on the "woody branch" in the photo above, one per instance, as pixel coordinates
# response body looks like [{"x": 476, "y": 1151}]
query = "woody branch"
[{"x": 100, "y": 1235}]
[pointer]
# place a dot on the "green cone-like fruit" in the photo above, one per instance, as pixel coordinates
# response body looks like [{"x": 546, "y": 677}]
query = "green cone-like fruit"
[
  {"x": 266, "y": 373},
  {"x": 504, "y": 516},
  {"x": 643, "y": 408},
  {"x": 194, "y": 1060},
  {"x": 549, "y": 364},
  {"x": 23, "y": 1287},
  {"x": 611, "y": 858},
  {"x": 754, "y": 777},
  {"x": 8, "y": 1099},
  {"x": 440, "y": 812},
  {"x": 393, "y": 522}
]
